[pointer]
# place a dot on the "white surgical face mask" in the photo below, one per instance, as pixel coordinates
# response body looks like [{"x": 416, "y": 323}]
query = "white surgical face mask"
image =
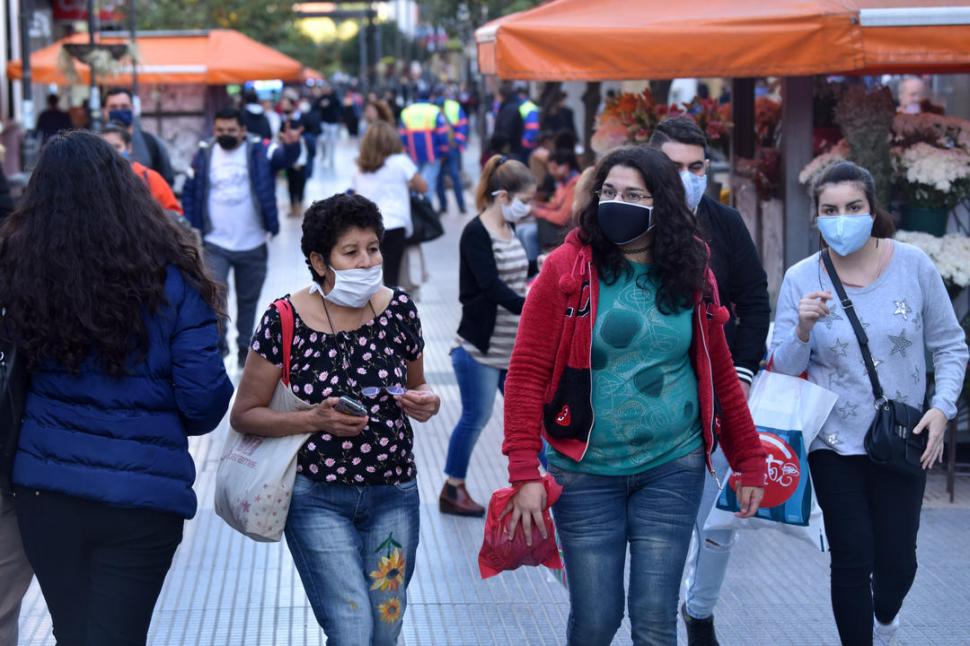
[
  {"x": 515, "y": 211},
  {"x": 694, "y": 187},
  {"x": 352, "y": 287}
]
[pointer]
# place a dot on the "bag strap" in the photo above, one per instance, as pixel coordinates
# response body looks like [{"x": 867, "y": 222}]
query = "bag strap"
[
  {"x": 287, "y": 324},
  {"x": 860, "y": 333}
]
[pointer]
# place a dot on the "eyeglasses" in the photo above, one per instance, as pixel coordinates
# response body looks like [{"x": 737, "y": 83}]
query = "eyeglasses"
[
  {"x": 374, "y": 391},
  {"x": 632, "y": 196}
]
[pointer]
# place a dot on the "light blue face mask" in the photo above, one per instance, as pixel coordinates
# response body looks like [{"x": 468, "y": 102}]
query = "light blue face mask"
[
  {"x": 845, "y": 234},
  {"x": 694, "y": 187}
]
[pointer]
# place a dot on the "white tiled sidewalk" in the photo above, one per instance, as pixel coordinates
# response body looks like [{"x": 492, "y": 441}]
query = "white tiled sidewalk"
[{"x": 224, "y": 589}]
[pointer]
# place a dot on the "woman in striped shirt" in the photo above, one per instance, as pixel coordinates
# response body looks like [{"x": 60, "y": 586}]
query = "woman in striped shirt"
[{"x": 492, "y": 276}]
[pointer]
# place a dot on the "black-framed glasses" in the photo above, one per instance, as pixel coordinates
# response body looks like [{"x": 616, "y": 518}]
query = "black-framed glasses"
[{"x": 632, "y": 196}]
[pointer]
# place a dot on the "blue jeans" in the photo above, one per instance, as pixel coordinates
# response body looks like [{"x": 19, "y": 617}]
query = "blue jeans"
[
  {"x": 478, "y": 385},
  {"x": 597, "y": 517},
  {"x": 430, "y": 171},
  {"x": 354, "y": 548},
  {"x": 711, "y": 552},
  {"x": 528, "y": 234},
  {"x": 451, "y": 166}
]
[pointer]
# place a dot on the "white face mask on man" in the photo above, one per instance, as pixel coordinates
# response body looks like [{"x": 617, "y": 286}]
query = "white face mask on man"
[{"x": 352, "y": 287}]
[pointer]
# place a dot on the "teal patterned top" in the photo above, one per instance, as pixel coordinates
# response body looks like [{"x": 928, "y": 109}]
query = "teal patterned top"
[{"x": 644, "y": 388}]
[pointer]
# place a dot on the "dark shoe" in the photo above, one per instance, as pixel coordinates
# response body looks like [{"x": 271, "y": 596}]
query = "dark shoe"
[
  {"x": 443, "y": 210},
  {"x": 463, "y": 211},
  {"x": 700, "y": 632},
  {"x": 241, "y": 359},
  {"x": 456, "y": 501}
]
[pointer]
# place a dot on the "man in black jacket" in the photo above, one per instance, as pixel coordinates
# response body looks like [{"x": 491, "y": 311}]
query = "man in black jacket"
[
  {"x": 507, "y": 134},
  {"x": 743, "y": 288}
]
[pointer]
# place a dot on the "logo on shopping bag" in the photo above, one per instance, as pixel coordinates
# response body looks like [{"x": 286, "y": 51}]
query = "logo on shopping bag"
[
  {"x": 248, "y": 444},
  {"x": 784, "y": 471}
]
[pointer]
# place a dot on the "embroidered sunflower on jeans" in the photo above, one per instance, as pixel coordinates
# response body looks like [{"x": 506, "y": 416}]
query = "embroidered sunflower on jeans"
[
  {"x": 390, "y": 610},
  {"x": 389, "y": 575}
]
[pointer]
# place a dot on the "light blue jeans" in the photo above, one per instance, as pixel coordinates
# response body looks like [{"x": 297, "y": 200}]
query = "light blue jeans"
[
  {"x": 430, "y": 171},
  {"x": 528, "y": 234},
  {"x": 478, "y": 385},
  {"x": 708, "y": 561},
  {"x": 354, "y": 548},
  {"x": 597, "y": 518}
]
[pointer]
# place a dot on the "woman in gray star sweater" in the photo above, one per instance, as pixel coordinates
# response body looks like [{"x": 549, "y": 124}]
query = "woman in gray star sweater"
[{"x": 871, "y": 514}]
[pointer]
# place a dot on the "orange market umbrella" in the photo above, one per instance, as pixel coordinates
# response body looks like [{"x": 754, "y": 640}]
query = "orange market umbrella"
[
  {"x": 659, "y": 39},
  {"x": 216, "y": 57}
]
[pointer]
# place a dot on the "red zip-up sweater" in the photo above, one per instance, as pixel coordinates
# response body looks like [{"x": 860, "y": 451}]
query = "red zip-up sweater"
[{"x": 548, "y": 391}]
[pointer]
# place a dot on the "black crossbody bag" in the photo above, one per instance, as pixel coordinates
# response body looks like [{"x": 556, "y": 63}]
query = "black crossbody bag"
[{"x": 890, "y": 441}]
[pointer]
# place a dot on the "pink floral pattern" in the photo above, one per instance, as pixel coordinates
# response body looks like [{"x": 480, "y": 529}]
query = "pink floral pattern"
[{"x": 377, "y": 350}]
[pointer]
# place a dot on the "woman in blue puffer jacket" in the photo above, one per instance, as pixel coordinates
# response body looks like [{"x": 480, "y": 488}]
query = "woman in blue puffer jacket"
[{"x": 111, "y": 306}]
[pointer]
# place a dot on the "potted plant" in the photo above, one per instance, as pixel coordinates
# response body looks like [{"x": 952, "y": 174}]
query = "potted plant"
[{"x": 931, "y": 156}]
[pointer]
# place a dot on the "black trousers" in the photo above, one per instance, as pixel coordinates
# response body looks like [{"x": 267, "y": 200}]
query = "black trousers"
[
  {"x": 392, "y": 249},
  {"x": 100, "y": 567},
  {"x": 871, "y": 521},
  {"x": 296, "y": 183}
]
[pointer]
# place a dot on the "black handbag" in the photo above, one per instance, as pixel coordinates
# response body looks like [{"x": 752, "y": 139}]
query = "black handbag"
[
  {"x": 890, "y": 441},
  {"x": 425, "y": 220},
  {"x": 13, "y": 394}
]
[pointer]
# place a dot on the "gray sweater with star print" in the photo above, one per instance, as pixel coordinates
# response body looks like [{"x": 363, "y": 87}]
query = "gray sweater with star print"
[{"x": 907, "y": 316}]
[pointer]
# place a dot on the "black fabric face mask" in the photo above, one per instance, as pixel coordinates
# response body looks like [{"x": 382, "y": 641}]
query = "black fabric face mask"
[
  {"x": 623, "y": 222},
  {"x": 227, "y": 142}
]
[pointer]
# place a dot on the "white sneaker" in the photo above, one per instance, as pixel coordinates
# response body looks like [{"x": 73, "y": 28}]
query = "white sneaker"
[{"x": 884, "y": 634}]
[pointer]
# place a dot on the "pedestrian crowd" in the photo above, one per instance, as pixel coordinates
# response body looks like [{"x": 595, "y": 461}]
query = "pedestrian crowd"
[{"x": 622, "y": 312}]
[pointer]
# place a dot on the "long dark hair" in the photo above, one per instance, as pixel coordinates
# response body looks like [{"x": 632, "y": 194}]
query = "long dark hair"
[
  {"x": 678, "y": 252},
  {"x": 83, "y": 258},
  {"x": 846, "y": 171}
]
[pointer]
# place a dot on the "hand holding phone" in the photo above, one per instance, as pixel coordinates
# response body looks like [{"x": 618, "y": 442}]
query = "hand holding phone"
[
  {"x": 350, "y": 406},
  {"x": 338, "y": 417}
]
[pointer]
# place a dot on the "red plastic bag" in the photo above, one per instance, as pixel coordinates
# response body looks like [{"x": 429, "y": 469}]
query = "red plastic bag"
[{"x": 499, "y": 554}]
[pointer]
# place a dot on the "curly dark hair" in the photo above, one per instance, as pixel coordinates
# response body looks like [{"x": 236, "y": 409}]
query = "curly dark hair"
[
  {"x": 678, "y": 251},
  {"x": 325, "y": 221},
  {"x": 84, "y": 257}
]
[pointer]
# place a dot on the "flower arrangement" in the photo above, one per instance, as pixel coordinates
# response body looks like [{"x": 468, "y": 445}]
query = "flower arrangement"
[
  {"x": 767, "y": 117},
  {"x": 838, "y": 152},
  {"x": 931, "y": 155},
  {"x": 950, "y": 254},
  {"x": 630, "y": 119}
]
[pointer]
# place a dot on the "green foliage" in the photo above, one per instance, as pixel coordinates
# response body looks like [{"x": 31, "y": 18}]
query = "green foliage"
[
  {"x": 866, "y": 120},
  {"x": 446, "y": 12},
  {"x": 271, "y": 22}
]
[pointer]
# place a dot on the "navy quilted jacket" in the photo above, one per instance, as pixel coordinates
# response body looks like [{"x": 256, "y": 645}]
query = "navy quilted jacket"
[
  {"x": 124, "y": 441},
  {"x": 264, "y": 163}
]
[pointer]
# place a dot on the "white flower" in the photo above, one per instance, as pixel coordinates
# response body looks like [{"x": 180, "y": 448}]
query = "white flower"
[
  {"x": 839, "y": 152},
  {"x": 950, "y": 254},
  {"x": 936, "y": 167}
]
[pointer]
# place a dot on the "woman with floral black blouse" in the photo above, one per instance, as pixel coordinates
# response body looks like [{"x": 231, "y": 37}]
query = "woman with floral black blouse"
[{"x": 353, "y": 521}]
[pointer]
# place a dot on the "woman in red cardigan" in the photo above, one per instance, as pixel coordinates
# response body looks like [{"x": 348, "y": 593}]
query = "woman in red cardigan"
[{"x": 619, "y": 353}]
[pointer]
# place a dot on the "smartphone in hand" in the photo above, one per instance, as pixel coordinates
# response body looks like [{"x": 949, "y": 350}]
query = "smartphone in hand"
[{"x": 350, "y": 406}]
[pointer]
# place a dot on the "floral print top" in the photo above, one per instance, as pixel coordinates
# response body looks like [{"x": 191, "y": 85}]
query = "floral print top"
[{"x": 330, "y": 365}]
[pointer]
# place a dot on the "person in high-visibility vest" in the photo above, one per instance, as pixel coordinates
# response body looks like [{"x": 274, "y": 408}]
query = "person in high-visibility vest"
[
  {"x": 530, "y": 121},
  {"x": 424, "y": 133},
  {"x": 458, "y": 140}
]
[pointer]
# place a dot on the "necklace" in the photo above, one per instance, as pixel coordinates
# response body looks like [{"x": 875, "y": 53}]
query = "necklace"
[
  {"x": 631, "y": 252},
  {"x": 344, "y": 361}
]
